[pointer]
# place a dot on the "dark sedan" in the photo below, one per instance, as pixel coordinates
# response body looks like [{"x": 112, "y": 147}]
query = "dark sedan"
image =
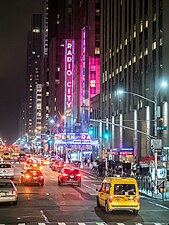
[{"x": 69, "y": 176}]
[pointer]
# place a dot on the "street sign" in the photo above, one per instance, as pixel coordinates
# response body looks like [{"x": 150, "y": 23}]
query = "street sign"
[
  {"x": 162, "y": 128},
  {"x": 156, "y": 144}
]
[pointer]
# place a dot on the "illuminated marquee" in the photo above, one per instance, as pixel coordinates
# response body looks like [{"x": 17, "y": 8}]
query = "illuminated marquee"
[{"x": 69, "y": 76}]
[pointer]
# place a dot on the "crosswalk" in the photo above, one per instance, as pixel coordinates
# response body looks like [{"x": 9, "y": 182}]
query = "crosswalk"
[{"x": 87, "y": 223}]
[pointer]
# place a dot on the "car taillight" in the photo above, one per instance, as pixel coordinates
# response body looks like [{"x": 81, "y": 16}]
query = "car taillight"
[
  {"x": 78, "y": 175},
  {"x": 41, "y": 177},
  {"x": 110, "y": 198},
  {"x": 138, "y": 199},
  {"x": 13, "y": 192},
  {"x": 27, "y": 176},
  {"x": 11, "y": 170},
  {"x": 64, "y": 174}
]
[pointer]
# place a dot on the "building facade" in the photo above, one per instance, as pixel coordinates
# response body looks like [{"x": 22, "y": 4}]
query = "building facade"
[
  {"x": 34, "y": 52},
  {"x": 134, "y": 49}
]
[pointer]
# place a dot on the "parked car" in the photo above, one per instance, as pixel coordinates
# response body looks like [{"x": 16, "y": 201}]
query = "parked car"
[{"x": 8, "y": 191}]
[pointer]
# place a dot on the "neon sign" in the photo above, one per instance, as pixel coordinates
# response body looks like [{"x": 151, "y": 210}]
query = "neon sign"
[{"x": 69, "y": 74}]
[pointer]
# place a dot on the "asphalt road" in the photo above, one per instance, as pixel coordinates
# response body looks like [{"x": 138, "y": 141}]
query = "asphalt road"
[{"x": 63, "y": 205}]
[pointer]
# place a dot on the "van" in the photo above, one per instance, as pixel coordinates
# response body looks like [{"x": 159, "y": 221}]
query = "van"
[{"x": 117, "y": 193}]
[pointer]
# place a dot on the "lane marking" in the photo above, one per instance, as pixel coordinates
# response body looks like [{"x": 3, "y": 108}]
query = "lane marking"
[
  {"x": 81, "y": 223},
  {"x": 101, "y": 223},
  {"x": 120, "y": 224},
  {"x": 61, "y": 223},
  {"x": 21, "y": 223},
  {"x": 164, "y": 207},
  {"x": 44, "y": 216},
  {"x": 41, "y": 223},
  {"x": 86, "y": 186}
]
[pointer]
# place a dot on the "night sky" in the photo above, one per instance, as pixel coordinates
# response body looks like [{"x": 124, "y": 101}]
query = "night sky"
[{"x": 15, "y": 21}]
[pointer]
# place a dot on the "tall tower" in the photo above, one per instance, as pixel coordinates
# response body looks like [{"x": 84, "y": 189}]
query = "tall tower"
[{"x": 34, "y": 51}]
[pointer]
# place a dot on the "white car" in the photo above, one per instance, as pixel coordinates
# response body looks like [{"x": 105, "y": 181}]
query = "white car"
[
  {"x": 6, "y": 170},
  {"x": 8, "y": 191}
]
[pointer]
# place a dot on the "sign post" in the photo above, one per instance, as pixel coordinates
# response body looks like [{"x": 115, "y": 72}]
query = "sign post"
[{"x": 156, "y": 145}]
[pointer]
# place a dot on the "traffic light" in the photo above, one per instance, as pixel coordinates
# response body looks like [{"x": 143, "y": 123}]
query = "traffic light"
[
  {"x": 91, "y": 129},
  {"x": 106, "y": 135}
]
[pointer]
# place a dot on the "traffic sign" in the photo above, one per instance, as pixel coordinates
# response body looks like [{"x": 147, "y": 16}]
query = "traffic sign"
[
  {"x": 162, "y": 128},
  {"x": 156, "y": 143}
]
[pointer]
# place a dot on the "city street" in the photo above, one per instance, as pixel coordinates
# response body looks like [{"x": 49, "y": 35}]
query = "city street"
[{"x": 53, "y": 204}]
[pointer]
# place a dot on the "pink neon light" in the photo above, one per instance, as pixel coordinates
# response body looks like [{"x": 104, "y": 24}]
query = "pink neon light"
[{"x": 68, "y": 75}]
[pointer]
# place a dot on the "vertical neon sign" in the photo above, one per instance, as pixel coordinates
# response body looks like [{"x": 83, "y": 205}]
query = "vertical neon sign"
[{"x": 69, "y": 84}]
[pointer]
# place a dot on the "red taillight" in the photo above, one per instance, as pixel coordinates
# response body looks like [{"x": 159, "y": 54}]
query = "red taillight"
[
  {"x": 78, "y": 175},
  {"x": 41, "y": 177},
  {"x": 13, "y": 192},
  {"x": 138, "y": 199},
  {"x": 64, "y": 174},
  {"x": 110, "y": 198}
]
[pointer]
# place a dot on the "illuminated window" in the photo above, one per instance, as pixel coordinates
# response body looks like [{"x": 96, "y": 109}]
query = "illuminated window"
[
  {"x": 146, "y": 23},
  {"x": 141, "y": 26},
  {"x": 154, "y": 45},
  {"x": 129, "y": 63},
  {"x": 117, "y": 70},
  {"x": 47, "y": 93},
  {"x": 121, "y": 46},
  {"x": 37, "y": 30},
  {"x": 146, "y": 51},
  {"x": 141, "y": 55},
  {"x": 97, "y": 51},
  {"x": 134, "y": 59},
  {"x": 134, "y": 34},
  {"x": 92, "y": 83},
  {"x": 126, "y": 41}
]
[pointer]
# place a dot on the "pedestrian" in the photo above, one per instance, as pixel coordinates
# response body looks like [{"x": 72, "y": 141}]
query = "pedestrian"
[{"x": 85, "y": 161}]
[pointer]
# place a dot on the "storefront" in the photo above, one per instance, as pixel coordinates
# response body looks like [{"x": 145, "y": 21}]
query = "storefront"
[{"x": 70, "y": 145}]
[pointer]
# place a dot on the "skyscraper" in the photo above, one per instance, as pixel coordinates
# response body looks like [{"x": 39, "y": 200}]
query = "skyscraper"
[{"x": 134, "y": 51}]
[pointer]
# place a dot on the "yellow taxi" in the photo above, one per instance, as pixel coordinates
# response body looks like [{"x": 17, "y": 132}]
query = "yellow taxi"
[
  {"x": 6, "y": 156},
  {"x": 117, "y": 193},
  {"x": 15, "y": 155}
]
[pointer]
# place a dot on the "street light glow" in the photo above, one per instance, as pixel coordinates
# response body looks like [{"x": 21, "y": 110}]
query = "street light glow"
[
  {"x": 120, "y": 92},
  {"x": 52, "y": 121},
  {"x": 164, "y": 84}
]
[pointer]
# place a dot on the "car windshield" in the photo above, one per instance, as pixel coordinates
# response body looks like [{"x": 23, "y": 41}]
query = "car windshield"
[
  {"x": 123, "y": 189},
  {"x": 5, "y": 166},
  {"x": 6, "y": 185}
]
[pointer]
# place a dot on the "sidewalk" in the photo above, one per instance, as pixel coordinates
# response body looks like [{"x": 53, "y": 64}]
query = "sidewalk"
[{"x": 164, "y": 196}]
